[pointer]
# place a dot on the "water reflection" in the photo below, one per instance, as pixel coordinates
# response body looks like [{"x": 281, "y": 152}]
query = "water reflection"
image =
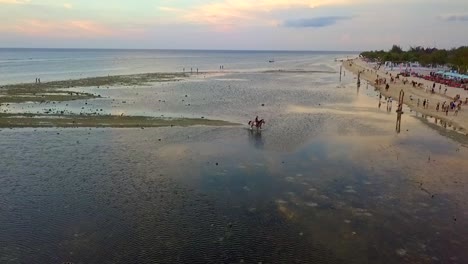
[{"x": 255, "y": 138}]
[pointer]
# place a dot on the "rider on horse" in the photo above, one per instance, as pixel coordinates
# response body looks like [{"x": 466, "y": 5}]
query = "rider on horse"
[{"x": 257, "y": 123}]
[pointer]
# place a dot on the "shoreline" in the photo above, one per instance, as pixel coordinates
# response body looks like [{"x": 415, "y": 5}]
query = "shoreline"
[{"x": 368, "y": 74}]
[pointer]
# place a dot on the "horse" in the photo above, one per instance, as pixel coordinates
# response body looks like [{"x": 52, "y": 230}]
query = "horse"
[{"x": 256, "y": 124}]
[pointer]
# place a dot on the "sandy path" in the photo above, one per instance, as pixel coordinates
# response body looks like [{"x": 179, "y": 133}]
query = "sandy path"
[{"x": 460, "y": 121}]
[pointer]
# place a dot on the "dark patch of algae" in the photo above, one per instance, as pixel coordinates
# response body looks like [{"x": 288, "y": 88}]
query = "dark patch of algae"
[
  {"x": 31, "y": 120},
  {"x": 56, "y": 90}
]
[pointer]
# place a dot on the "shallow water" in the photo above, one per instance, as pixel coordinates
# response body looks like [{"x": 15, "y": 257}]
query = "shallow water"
[
  {"x": 328, "y": 180},
  {"x": 25, "y": 65}
]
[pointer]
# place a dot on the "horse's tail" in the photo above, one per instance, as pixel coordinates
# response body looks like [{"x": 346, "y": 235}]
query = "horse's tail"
[{"x": 250, "y": 122}]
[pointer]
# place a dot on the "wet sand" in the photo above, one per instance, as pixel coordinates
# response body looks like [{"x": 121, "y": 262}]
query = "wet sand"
[
  {"x": 459, "y": 121},
  {"x": 28, "y": 120},
  {"x": 58, "y": 91}
]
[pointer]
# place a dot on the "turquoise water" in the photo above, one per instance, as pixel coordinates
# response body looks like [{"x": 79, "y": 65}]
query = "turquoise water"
[{"x": 328, "y": 180}]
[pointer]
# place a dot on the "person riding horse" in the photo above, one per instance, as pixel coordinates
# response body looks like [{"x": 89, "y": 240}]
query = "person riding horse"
[{"x": 257, "y": 123}]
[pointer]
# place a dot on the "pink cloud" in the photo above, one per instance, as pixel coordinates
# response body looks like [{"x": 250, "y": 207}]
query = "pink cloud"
[
  {"x": 67, "y": 29},
  {"x": 247, "y": 12},
  {"x": 345, "y": 38}
]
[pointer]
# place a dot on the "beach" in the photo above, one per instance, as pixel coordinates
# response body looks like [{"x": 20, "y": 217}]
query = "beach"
[
  {"x": 367, "y": 73},
  {"x": 148, "y": 164}
]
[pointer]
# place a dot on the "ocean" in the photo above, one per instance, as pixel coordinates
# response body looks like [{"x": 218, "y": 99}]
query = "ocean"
[
  {"x": 24, "y": 65},
  {"x": 328, "y": 180}
]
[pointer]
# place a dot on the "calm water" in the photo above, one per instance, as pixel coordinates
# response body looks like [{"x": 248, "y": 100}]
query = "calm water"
[
  {"x": 328, "y": 180},
  {"x": 25, "y": 65}
]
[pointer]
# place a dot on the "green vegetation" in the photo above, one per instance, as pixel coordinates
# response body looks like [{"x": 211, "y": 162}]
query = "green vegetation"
[{"x": 457, "y": 58}]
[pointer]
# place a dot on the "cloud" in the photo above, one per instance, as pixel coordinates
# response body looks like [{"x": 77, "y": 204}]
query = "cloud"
[
  {"x": 69, "y": 28},
  {"x": 314, "y": 22},
  {"x": 68, "y": 6},
  {"x": 14, "y": 1},
  {"x": 170, "y": 9},
  {"x": 236, "y": 13},
  {"x": 454, "y": 17}
]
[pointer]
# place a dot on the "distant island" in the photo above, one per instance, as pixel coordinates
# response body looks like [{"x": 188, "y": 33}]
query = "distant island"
[{"x": 456, "y": 58}]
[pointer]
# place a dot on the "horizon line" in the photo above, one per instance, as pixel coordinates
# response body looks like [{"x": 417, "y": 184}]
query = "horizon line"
[{"x": 165, "y": 49}]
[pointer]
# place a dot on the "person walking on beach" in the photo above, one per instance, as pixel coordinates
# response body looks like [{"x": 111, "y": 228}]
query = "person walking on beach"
[
  {"x": 424, "y": 103},
  {"x": 427, "y": 104},
  {"x": 437, "y": 106},
  {"x": 418, "y": 102},
  {"x": 440, "y": 87},
  {"x": 445, "y": 92}
]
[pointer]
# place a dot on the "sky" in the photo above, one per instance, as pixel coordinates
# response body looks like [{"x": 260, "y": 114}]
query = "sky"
[{"x": 348, "y": 25}]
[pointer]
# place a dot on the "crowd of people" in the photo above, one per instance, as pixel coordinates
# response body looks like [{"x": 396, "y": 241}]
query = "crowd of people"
[
  {"x": 440, "y": 79},
  {"x": 453, "y": 105}
]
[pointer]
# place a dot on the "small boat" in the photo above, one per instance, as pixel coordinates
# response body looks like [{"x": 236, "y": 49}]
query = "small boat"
[{"x": 271, "y": 61}]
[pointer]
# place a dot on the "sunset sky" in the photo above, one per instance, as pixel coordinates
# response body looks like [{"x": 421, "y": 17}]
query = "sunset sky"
[{"x": 234, "y": 24}]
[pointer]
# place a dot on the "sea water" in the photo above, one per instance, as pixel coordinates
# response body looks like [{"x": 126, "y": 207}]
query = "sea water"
[{"x": 329, "y": 179}]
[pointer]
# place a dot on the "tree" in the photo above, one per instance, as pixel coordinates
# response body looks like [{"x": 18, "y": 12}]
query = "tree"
[
  {"x": 456, "y": 57},
  {"x": 396, "y": 49}
]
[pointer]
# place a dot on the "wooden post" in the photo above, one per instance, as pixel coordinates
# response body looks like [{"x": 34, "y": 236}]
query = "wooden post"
[
  {"x": 399, "y": 110},
  {"x": 400, "y": 101},
  {"x": 341, "y": 67}
]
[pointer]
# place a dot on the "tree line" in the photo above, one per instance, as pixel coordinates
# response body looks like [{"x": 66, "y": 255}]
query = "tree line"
[{"x": 457, "y": 58}]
